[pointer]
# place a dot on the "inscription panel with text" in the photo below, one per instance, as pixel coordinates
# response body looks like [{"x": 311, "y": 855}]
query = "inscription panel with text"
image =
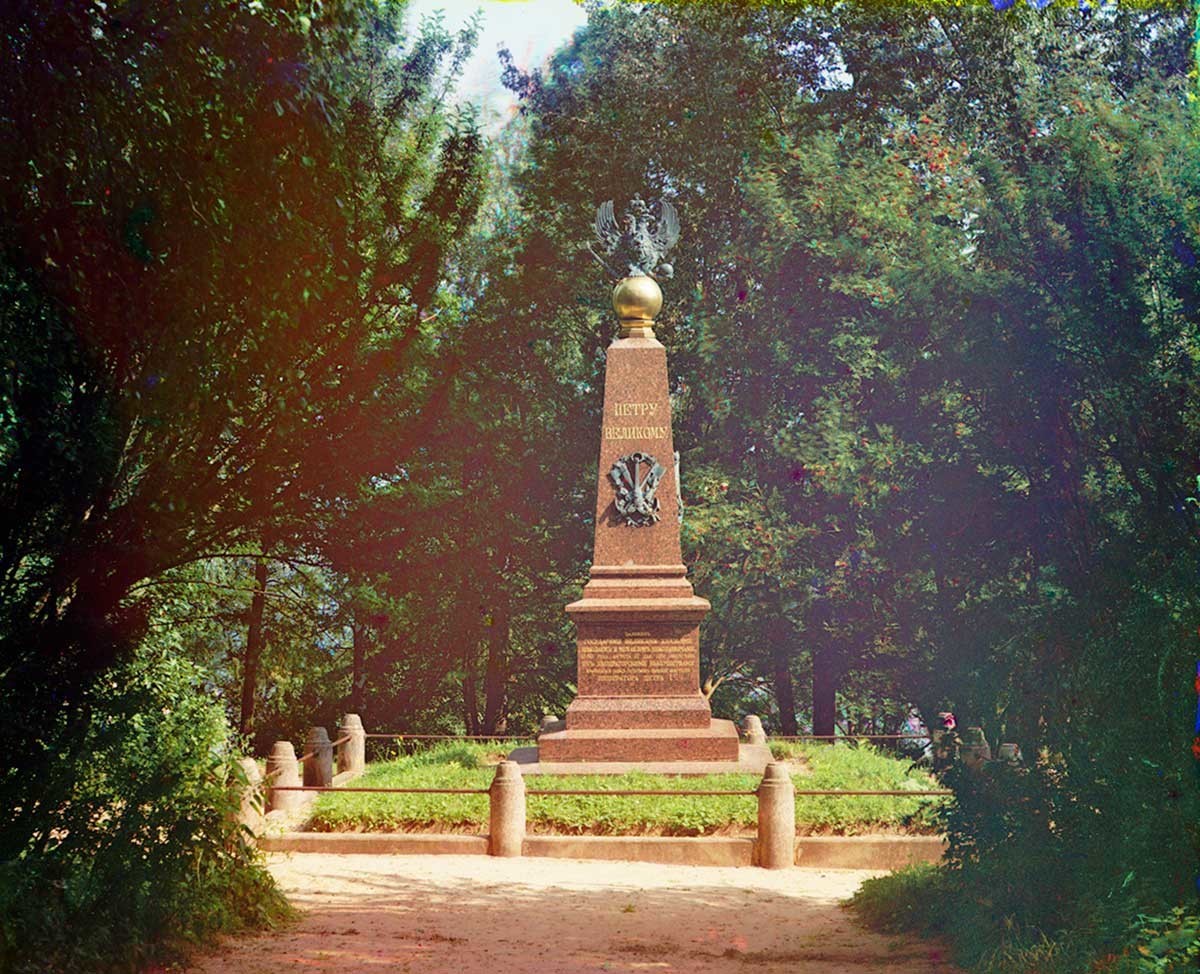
[{"x": 626, "y": 659}]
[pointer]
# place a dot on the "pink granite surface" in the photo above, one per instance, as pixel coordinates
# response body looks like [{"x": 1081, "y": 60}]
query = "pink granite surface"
[
  {"x": 719, "y": 742},
  {"x": 615, "y": 713},
  {"x": 635, "y": 378},
  {"x": 638, "y": 623},
  {"x": 752, "y": 759}
]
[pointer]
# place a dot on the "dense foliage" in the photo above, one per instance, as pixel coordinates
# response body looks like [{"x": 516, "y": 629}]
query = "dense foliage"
[
  {"x": 935, "y": 327},
  {"x": 224, "y": 229},
  {"x": 143, "y": 856}
]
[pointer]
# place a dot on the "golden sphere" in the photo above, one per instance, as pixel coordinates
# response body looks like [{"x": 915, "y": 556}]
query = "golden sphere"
[{"x": 637, "y": 299}]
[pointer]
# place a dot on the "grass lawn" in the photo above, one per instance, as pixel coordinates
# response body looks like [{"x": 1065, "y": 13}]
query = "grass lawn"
[{"x": 468, "y": 765}]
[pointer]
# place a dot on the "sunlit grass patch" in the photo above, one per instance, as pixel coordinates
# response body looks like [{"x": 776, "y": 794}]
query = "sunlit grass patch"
[{"x": 468, "y": 765}]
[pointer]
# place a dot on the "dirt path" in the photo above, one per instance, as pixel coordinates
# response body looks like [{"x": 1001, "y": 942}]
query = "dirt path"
[{"x": 478, "y": 915}]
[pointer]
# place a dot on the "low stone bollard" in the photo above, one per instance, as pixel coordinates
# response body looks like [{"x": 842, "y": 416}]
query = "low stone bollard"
[
  {"x": 974, "y": 750},
  {"x": 1009, "y": 753},
  {"x": 352, "y": 753},
  {"x": 776, "y": 845},
  {"x": 753, "y": 729},
  {"x": 318, "y": 770},
  {"x": 506, "y": 831},
  {"x": 944, "y": 748},
  {"x": 283, "y": 771},
  {"x": 250, "y": 799}
]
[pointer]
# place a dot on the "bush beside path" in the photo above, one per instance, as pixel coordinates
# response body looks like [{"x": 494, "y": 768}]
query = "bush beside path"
[{"x": 478, "y": 915}]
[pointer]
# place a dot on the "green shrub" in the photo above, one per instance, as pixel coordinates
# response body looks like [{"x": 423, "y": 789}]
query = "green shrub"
[
  {"x": 143, "y": 856},
  {"x": 1033, "y": 880},
  {"x": 915, "y": 899},
  {"x": 933, "y": 900},
  {"x": 1165, "y": 945}
]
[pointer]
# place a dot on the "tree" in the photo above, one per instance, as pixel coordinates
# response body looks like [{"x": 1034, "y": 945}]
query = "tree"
[
  {"x": 224, "y": 231},
  {"x": 185, "y": 381},
  {"x": 1012, "y": 248},
  {"x": 937, "y": 412},
  {"x": 604, "y": 90}
]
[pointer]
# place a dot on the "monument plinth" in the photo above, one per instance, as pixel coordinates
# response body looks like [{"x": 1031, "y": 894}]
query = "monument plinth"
[{"x": 638, "y": 623}]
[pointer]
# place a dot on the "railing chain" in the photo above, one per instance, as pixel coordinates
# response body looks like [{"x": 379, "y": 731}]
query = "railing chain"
[{"x": 614, "y": 794}]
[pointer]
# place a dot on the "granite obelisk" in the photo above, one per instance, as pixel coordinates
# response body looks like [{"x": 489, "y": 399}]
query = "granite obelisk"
[{"x": 638, "y": 692}]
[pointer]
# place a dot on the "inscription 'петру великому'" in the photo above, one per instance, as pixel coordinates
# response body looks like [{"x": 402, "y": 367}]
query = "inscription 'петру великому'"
[
  {"x": 635, "y": 408},
  {"x": 647, "y": 410},
  {"x": 635, "y": 432}
]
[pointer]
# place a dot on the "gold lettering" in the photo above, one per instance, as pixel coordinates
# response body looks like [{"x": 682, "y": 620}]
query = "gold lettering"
[
  {"x": 635, "y": 408},
  {"x": 635, "y": 432},
  {"x": 637, "y": 660}
]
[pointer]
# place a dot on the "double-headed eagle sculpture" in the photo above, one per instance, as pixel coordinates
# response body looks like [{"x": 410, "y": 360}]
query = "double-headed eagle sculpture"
[
  {"x": 642, "y": 240},
  {"x": 636, "y": 478}
]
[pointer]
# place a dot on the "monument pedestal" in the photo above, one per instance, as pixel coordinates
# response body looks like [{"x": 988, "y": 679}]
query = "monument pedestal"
[
  {"x": 639, "y": 675},
  {"x": 716, "y": 742},
  {"x": 638, "y": 624}
]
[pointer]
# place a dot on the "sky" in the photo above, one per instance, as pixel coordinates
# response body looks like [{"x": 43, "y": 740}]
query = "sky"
[{"x": 531, "y": 29}]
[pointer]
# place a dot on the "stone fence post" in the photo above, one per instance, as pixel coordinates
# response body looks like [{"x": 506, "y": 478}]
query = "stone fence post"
[
  {"x": 318, "y": 770},
  {"x": 974, "y": 750},
  {"x": 1009, "y": 753},
  {"x": 507, "y": 811},
  {"x": 776, "y": 846},
  {"x": 250, "y": 809},
  {"x": 352, "y": 754},
  {"x": 283, "y": 771},
  {"x": 753, "y": 729},
  {"x": 945, "y": 748}
]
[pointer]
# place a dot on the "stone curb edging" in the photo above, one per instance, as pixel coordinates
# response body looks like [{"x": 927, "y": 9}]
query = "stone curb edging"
[
  {"x": 816, "y": 852},
  {"x": 376, "y": 843},
  {"x": 665, "y": 850},
  {"x": 868, "y": 851}
]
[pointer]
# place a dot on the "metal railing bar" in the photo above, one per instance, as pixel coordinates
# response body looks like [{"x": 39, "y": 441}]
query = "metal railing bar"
[
  {"x": 458, "y": 737},
  {"x": 638, "y": 791},
  {"x": 532, "y": 737},
  {"x": 898, "y": 792},
  {"x": 389, "y": 791},
  {"x": 847, "y": 737},
  {"x": 599, "y": 792},
  {"x": 666, "y": 794}
]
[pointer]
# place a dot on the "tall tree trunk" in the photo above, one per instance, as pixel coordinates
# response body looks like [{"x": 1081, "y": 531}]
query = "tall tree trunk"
[
  {"x": 785, "y": 693},
  {"x": 496, "y": 672},
  {"x": 470, "y": 696},
  {"x": 255, "y": 638},
  {"x": 358, "y": 672},
  {"x": 824, "y": 689}
]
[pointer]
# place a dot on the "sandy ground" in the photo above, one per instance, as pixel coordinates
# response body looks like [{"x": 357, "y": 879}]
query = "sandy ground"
[{"x": 479, "y": 915}]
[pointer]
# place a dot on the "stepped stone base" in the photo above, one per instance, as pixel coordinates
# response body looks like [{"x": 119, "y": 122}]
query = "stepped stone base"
[
  {"x": 752, "y": 759},
  {"x": 639, "y": 713},
  {"x": 717, "y": 742}
]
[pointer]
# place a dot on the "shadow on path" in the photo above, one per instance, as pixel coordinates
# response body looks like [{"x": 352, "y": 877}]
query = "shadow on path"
[{"x": 478, "y": 915}]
